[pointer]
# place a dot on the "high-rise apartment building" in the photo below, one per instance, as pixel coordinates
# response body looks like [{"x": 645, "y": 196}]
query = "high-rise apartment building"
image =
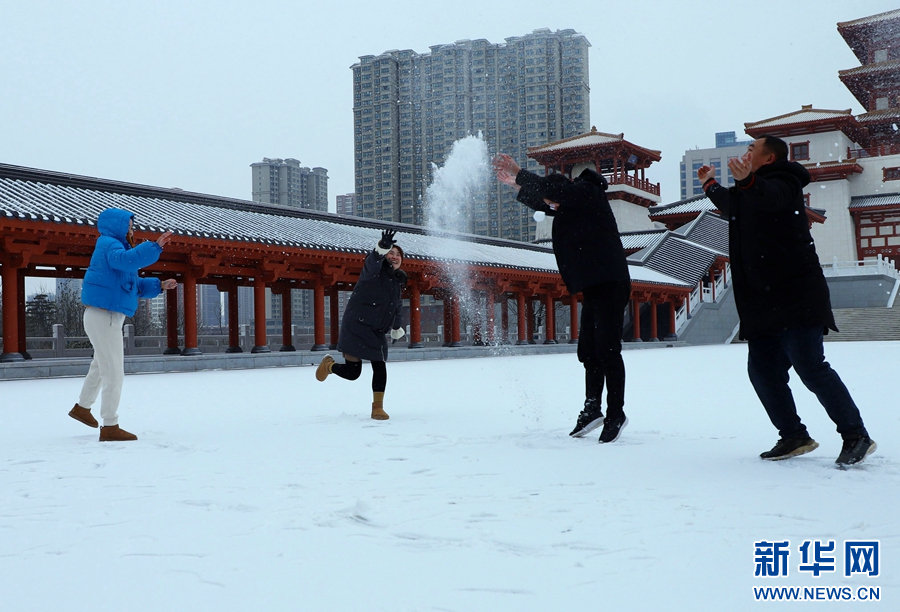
[
  {"x": 285, "y": 182},
  {"x": 346, "y": 204},
  {"x": 409, "y": 109},
  {"x": 727, "y": 146}
]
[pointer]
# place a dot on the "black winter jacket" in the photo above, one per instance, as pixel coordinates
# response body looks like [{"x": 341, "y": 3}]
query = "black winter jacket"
[
  {"x": 778, "y": 282},
  {"x": 373, "y": 310},
  {"x": 586, "y": 238}
]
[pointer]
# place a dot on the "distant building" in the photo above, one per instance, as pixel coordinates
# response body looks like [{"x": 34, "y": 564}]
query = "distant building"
[
  {"x": 409, "y": 109},
  {"x": 346, "y": 204},
  {"x": 727, "y": 146},
  {"x": 285, "y": 182}
]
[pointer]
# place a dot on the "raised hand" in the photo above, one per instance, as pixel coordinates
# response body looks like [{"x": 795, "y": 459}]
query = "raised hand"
[
  {"x": 387, "y": 239},
  {"x": 704, "y": 173}
]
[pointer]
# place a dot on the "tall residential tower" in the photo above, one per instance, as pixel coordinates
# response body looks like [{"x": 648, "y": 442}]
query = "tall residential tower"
[
  {"x": 409, "y": 109},
  {"x": 285, "y": 182}
]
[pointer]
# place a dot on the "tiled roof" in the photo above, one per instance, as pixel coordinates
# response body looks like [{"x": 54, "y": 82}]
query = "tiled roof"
[
  {"x": 583, "y": 140},
  {"x": 804, "y": 115},
  {"x": 873, "y": 201},
  {"x": 695, "y": 204},
  {"x": 889, "y": 66},
  {"x": 709, "y": 230},
  {"x": 895, "y": 14},
  {"x": 677, "y": 257},
  {"x": 879, "y": 115},
  {"x": 642, "y": 239},
  {"x": 159, "y": 209}
]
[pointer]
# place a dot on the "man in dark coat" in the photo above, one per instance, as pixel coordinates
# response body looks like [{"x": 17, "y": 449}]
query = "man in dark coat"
[
  {"x": 782, "y": 297},
  {"x": 372, "y": 311},
  {"x": 591, "y": 261}
]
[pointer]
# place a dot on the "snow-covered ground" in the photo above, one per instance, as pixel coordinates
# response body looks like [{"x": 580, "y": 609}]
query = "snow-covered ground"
[{"x": 266, "y": 490}]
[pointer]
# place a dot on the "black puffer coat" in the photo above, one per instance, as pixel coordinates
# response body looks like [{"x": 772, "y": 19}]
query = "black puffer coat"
[
  {"x": 373, "y": 310},
  {"x": 778, "y": 282},
  {"x": 586, "y": 238}
]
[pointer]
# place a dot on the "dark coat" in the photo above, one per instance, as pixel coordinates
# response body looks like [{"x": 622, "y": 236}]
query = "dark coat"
[
  {"x": 586, "y": 238},
  {"x": 373, "y": 310},
  {"x": 778, "y": 282}
]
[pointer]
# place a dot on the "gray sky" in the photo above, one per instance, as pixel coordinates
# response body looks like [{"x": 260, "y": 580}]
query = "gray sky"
[{"x": 189, "y": 93}]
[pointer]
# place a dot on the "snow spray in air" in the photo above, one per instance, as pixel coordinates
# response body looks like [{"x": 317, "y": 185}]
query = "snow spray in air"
[{"x": 456, "y": 199}]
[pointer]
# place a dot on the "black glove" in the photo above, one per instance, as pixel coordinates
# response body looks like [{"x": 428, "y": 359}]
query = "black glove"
[{"x": 387, "y": 239}]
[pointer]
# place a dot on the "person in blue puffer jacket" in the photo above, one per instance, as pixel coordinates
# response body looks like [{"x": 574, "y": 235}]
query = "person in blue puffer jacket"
[{"x": 111, "y": 290}]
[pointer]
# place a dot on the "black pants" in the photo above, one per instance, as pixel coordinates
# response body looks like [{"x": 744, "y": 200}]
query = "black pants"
[
  {"x": 352, "y": 369},
  {"x": 600, "y": 343},
  {"x": 768, "y": 362}
]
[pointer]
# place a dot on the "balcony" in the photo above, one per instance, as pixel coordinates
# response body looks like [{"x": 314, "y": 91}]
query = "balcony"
[
  {"x": 873, "y": 151},
  {"x": 627, "y": 179}
]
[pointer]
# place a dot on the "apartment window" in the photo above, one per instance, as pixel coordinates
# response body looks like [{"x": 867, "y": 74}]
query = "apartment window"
[
  {"x": 799, "y": 151},
  {"x": 891, "y": 174}
]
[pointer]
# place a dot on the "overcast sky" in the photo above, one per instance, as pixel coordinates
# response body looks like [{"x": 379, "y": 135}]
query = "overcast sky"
[{"x": 189, "y": 93}]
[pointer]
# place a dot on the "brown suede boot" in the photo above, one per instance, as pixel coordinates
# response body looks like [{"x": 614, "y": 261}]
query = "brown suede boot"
[
  {"x": 378, "y": 412},
  {"x": 84, "y": 415},
  {"x": 113, "y": 433},
  {"x": 324, "y": 368}
]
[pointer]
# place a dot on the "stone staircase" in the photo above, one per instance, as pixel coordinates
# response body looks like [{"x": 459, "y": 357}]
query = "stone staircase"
[{"x": 866, "y": 324}]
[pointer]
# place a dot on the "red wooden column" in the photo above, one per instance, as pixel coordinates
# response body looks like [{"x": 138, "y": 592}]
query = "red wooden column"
[
  {"x": 415, "y": 317},
  {"x": 654, "y": 321},
  {"x": 477, "y": 322},
  {"x": 504, "y": 318},
  {"x": 234, "y": 339},
  {"x": 287, "y": 334},
  {"x": 10, "y": 282},
  {"x": 550, "y": 322},
  {"x": 454, "y": 322},
  {"x": 260, "y": 342},
  {"x": 529, "y": 320},
  {"x": 23, "y": 338},
  {"x": 335, "y": 315},
  {"x": 573, "y": 319},
  {"x": 172, "y": 322},
  {"x": 489, "y": 319},
  {"x": 520, "y": 315},
  {"x": 190, "y": 316},
  {"x": 637, "y": 320},
  {"x": 446, "y": 307},
  {"x": 319, "y": 318},
  {"x": 672, "y": 335}
]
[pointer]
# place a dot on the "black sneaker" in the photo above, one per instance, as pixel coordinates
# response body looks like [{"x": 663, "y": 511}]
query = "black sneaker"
[
  {"x": 855, "y": 450},
  {"x": 786, "y": 448},
  {"x": 591, "y": 418},
  {"x": 612, "y": 428}
]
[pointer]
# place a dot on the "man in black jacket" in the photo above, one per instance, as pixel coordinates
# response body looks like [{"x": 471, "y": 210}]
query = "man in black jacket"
[
  {"x": 591, "y": 261},
  {"x": 782, "y": 297}
]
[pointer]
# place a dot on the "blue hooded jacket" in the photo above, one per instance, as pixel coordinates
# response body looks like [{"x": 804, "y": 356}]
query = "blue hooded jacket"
[{"x": 111, "y": 282}]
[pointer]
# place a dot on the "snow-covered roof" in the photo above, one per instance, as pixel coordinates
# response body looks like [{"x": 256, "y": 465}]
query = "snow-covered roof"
[
  {"x": 638, "y": 240},
  {"x": 709, "y": 230},
  {"x": 582, "y": 140},
  {"x": 677, "y": 257},
  {"x": 807, "y": 114},
  {"x": 695, "y": 204},
  {"x": 887, "y": 16},
  {"x": 875, "y": 201},
  {"x": 879, "y": 115},
  {"x": 889, "y": 66},
  {"x": 231, "y": 220}
]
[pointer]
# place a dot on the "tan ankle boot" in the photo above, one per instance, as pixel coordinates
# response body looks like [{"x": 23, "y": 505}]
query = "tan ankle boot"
[
  {"x": 113, "y": 433},
  {"x": 82, "y": 414},
  {"x": 324, "y": 368},
  {"x": 378, "y": 412}
]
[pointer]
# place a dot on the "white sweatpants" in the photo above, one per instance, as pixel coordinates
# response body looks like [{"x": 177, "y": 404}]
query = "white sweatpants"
[{"x": 104, "y": 329}]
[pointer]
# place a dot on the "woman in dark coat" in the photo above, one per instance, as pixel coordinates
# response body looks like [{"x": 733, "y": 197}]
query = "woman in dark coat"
[{"x": 372, "y": 312}]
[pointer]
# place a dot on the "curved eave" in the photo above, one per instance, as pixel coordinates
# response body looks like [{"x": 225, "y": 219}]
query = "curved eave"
[{"x": 833, "y": 171}]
